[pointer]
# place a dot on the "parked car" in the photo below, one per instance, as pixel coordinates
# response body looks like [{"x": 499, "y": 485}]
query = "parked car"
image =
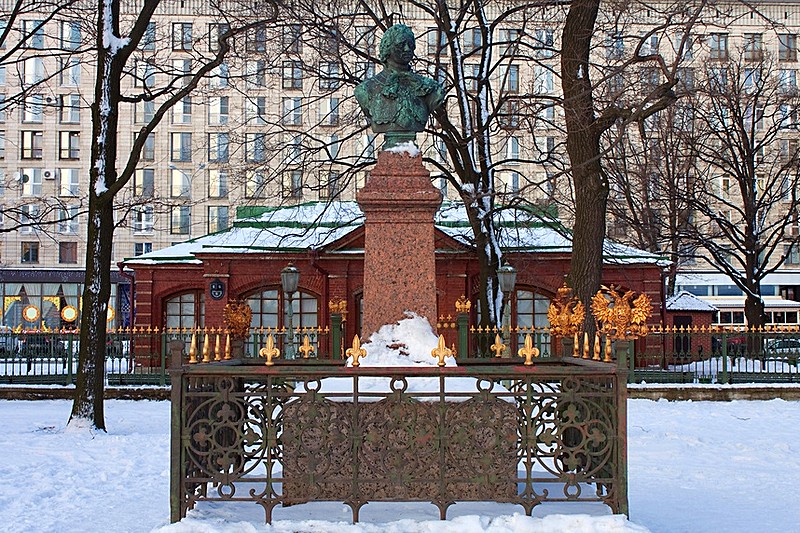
[
  {"x": 41, "y": 346},
  {"x": 783, "y": 347}
]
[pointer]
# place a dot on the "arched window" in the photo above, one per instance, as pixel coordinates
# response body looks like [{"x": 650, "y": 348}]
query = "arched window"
[
  {"x": 185, "y": 310},
  {"x": 266, "y": 308}
]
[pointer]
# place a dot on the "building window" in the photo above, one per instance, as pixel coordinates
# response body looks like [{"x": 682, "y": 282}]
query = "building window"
[
  {"x": 792, "y": 253},
  {"x": 753, "y": 46},
  {"x": 31, "y": 181},
  {"x": 256, "y": 147},
  {"x": 68, "y": 219},
  {"x": 31, "y": 145},
  {"x": 182, "y": 111},
  {"x": 218, "y": 144},
  {"x": 512, "y": 150},
  {"x": 68, "y": 182},
  {"x": 184, "y": 311},
  {"x": 33, "y": 70},
  {"x": 2, "y": 149},
  {"x": 787, "y": 82},
  {"x": 69, "y": 73},
  {"x": 364, "y": 70},
  {"x": 180, "y": 220},
  {"x": 329, "y": 75},
  {"x": 436, "y": 41},
  {"x": 509, "y": 114},
  {"x": 219, "y": 76},
  {"x": 33, "y": 34},
  {"x": 144, "y": 182},
  {"x": 180, "y": 185},
  {"x": 69, "y": 106},
  {"x": 217, "y": 218},
  {"x": 615, "y": 46},
  {"x": 218, "y": 108},
  {"x": 329, "y": 43},
  {"x": 215, "y": 33},
  {"x": 143, "y": 219},
  {"x": 32, "y": 109},
  {"x": 29, "y": 218},
  {"x": 293, "y": 150},
  {"x": 69, "y": 145},
  {"x": 329, "y": 112},
  {"x": 365, "y": 39},
  {"x": 145, "y": 73},
  {"x": 530, "y": 311},
  {"x": 292, "y": 74},
  {"x": 217, "y": 183},
  {"x": 70, "y": 35},
  {"x": 255, "y": 185},
  {"x": 543, "y": 80},
  {"x": 182, "y": 36},
  {"x": 787, "y": 47},
  {"x": 267, "y": 306},
  {"x": 511, "y": 81},
  {"x": 472, "y": 40},
  {"x": 181, "y": 146},
  {"x": 68, "y": 253},
  {"x": 330, "y": 185},
  {"x": 256, "y": 110},
  {"x": 30, "y": 252},
  {"x": 148, "y": 41},
  {"x": 292, "y": 111},
  {"x": 149, "y": 148},
  {"x": 257, "y": 38},
  {"x": 291, "y": 38},
  {"x": 256, "y": 74},
  {"x": 141, "y": 248},
  {"x": 718, "y": 46},
  {"x": 293, "y": 185},
  {"x": 144, "y": 111},
  {"x": 543, "y": 39}
]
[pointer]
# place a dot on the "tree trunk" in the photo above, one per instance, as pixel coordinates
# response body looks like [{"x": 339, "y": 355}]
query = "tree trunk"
[
  {"x": 90, "y": 382},
  {"x": 583, "y": 148},
  {"x": 489, "y": 297}
]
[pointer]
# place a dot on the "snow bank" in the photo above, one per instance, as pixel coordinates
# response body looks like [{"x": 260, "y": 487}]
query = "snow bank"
[{"x": 408, "y": 342}]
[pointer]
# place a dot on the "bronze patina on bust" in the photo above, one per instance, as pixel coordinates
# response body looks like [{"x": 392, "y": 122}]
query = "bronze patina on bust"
[{"x": 398, "y": 101}]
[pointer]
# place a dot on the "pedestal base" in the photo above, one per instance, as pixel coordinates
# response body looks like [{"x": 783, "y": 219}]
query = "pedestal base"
[{"x": 399, "y": 204}]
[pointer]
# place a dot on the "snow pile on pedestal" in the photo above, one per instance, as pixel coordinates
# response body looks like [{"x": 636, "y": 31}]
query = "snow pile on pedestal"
[
  {"x": 408, "y": 342},
  {"x": 408, "y": 147}
]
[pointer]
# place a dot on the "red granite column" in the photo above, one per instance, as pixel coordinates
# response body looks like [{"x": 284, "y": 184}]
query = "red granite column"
[{"x": 399, "y": 203}]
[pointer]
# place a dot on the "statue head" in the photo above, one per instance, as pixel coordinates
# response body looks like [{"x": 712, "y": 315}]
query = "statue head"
[{"x": 398, "y": 39}]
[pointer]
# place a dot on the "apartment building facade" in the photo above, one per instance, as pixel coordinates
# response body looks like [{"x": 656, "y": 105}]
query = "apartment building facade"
[{"x": 276, "y": 124}]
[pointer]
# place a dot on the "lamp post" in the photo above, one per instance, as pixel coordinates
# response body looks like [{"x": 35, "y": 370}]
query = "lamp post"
[
  {"x": 290, "y": 277},
  {"x": 507, "y": 278}
]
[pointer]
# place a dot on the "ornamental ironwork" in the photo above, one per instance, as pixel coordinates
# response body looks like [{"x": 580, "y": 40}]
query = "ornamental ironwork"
[
  {"x": 566, "y": 314},
  {"x": 619, "y": 315},
  {"x": 237, "y": 317}
]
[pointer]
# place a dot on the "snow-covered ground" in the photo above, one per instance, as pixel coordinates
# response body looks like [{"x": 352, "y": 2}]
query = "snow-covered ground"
[{"x": 694, "y": 467}]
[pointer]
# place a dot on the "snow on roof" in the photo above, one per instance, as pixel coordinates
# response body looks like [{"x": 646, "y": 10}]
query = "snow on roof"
[
  {"x": 686, "y": 301},
  {"x": 314, "y": 225}
]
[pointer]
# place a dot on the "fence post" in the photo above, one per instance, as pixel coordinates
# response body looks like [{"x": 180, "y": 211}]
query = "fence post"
[
  {"x": 336, "y": 335},
  {"x": 462, "y": 323},
  {"x": 724, "y": 342},
  {"x": 622, "y": 352}
]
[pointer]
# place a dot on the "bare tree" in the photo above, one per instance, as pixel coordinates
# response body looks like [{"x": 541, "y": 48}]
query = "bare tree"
[
  {"x": 745, "y": 198},
  {"x": 118, "y": 83}
]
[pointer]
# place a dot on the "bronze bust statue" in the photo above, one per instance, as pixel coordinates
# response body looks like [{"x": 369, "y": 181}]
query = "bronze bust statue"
[{"x": 398, "y": 101}]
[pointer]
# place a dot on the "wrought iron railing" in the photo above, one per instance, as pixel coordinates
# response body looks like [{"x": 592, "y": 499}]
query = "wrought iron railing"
[
  {"x": 718, "y": 355},
  {"x": 288, "y": 434}
]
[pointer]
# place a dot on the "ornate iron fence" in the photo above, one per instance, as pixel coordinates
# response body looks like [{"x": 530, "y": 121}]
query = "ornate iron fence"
[
  {"x": 718, "y": 355},
  {"x": 288, "y": 434}
]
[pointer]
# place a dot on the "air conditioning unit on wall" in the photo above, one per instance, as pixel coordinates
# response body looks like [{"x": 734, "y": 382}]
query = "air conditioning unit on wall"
[{"x": 49, "y": 174}]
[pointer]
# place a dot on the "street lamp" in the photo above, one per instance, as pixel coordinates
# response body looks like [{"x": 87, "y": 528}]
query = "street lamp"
[
  {"x": 507, "y": 278},
  {"x": 290, "y": 277}
]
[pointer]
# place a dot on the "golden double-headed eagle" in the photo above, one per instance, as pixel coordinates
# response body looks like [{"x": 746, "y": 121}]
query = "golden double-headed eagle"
[
  {"x": 565, "y": 314},
  {"x": 618, "y": 315}
]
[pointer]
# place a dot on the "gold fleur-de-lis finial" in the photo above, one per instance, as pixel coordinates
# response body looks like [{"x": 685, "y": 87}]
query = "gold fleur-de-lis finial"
[
  {"x": 306, "y": 348},
  {"x": 441, "y": 351},
  {"x": 528, "y": 351},
  {"x": 269, "y": 351},
  {"x": 498, "y": 347},
  {"x": 356, "y": 352}
]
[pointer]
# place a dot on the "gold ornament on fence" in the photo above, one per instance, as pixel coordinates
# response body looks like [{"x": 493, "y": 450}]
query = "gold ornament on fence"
[
  {"x": 269, "y": 351},
  {"x": 529, "y": 351},
  {"x": 306, "y": 348},
  {"x": 356, "y": 352},
  {"x": 463, "y": 305},
  {"x": 441, "y": 351},
  {"x": 237, "y": 317},
  {"x": 566, "y": 314},
  {"x": 618, "y": 315},
  {"x": 338, "y": 306},
  {"x": 498, "y": 347}
]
